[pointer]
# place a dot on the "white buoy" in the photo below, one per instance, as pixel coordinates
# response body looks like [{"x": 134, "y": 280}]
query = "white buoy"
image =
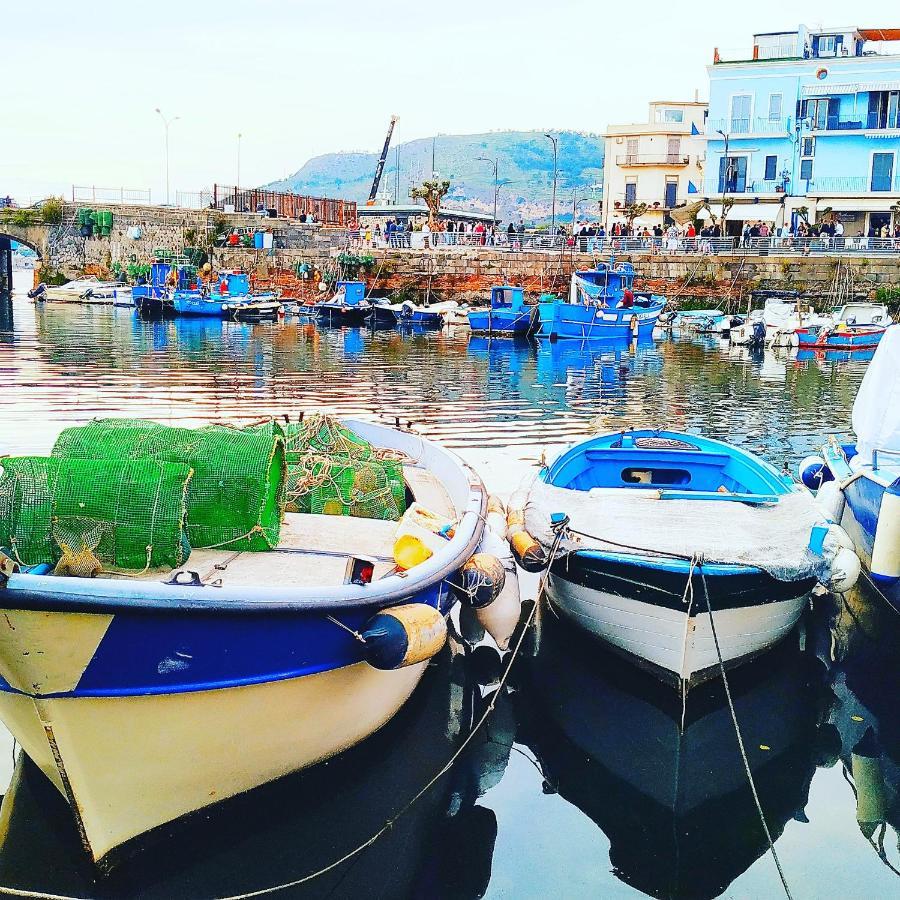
[
  {"x": 500, "y": 617},
  {"x": 812, "y": 471},
  {"x": 886, "y": 549},
  {"x": 845, "y": 569},
  {"x": 831, "y": 501}
]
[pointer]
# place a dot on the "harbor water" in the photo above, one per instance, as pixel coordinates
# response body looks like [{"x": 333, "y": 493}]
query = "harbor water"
[{"x": 589, "y": 778}]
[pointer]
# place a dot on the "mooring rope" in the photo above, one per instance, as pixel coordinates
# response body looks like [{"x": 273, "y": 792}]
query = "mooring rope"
[
  {"x": 389, "y": 823},
  {"x": 737, "y": 732}
]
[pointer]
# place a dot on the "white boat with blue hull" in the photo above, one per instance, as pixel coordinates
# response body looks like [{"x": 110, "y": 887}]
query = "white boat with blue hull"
[
  {"x": 670, "y": 534},
  {"x": 147, "y": 698},
  {"x": 859, "y": 484},
  {"x": 601, "y": 304}
]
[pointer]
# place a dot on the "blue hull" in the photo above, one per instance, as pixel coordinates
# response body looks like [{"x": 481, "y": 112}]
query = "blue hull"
[
  {"x": 501, "y": 321},
  {"x": 423, "y": 319},
  {"x": 809, "y": 339},
  {"x": 580, "y": 321}
]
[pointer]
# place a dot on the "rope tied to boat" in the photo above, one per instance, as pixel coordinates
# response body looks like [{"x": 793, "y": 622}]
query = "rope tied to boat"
[{"x": 737, "y": 727}]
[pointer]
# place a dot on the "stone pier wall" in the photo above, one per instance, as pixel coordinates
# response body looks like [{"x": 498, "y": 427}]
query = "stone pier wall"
[{"x": 469, "y": 274}]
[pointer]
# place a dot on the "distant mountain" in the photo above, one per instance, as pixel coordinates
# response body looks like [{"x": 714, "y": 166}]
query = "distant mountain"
[{"x": 525, "y": 159}]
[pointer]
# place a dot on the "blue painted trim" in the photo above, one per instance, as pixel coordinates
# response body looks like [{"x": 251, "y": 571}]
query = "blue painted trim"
[{"x": 669, "y": 564}]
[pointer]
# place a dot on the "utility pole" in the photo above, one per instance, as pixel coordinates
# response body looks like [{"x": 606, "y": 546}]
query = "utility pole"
[
  {"x": 167, "y": 123},
  {"x": 555, "y": 172},
  {"x": 237, "y": 183},
  {"x": 725, "y": 170},
  {"x": 494, "y": 163},
  {"x": 397, "y": 176}
]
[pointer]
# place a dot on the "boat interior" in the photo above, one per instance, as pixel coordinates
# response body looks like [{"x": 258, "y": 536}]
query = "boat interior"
[
  {"x": 313, "y": 549},
  {"x": 663, "y": 460}
]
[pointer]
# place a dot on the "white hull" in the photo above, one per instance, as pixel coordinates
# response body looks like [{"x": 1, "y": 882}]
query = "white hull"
[
  {"x": 112, "y": 757},
  {"x": 678, "y": 643}
]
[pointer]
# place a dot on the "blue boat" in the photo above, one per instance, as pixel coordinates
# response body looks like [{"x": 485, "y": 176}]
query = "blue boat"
[
  {"x": 600, "y": 304},
  {"x": 348, "y": 306},
  {"x": 860, "y": 483},
  {"x": 508, "y": 313},
  {"x": 407, "y": 313},
  {"x": 144, "y": 699},
  {"x": 841, "y": 337},
  {"x": 666, "y": 529}
]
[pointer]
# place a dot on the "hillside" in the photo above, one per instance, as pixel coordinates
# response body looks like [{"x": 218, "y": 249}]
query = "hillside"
[{"x": 525, "y": 159}]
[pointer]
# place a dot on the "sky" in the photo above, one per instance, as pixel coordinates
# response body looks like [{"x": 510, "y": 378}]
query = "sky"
[{"x": 79, "y": 82}]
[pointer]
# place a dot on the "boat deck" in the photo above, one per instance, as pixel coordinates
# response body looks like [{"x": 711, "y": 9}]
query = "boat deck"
[{"x": 314, "y": 549}]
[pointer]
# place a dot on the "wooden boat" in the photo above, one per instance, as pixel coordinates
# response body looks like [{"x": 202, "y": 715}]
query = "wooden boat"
[
  {"x": 839, "y": 337},
  {"x": 146, "y": 698},
  {"x": 597, "y": 307},
  {"x": 407, "y": 313},
  {"x": 348, "y": 306},
  {"x": 861, "y": 488},
  {"x": 668, "y": 530},
  {"x": 90, "y": 291},
  {"x": 507, "y": 314}
]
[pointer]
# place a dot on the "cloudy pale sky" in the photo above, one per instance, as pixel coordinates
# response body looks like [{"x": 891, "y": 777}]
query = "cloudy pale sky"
[{"x": 79, "y": 82}]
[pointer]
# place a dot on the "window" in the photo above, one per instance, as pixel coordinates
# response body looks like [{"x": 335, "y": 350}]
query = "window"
[
  {"x": 882, "y": 171},
  {"x": 808, "y": 146},
  {"x": 774, "y": 107},
  {"x": 806, "y": 169},
  {"x": 671, "y": 198},
  {"x": 771, "y": 166},
  {"x": 670, "y": 115},
  {"x": 820, "y": 111},
  {"x": 884, "y": 109},
  {"x": 733, "y": 175},
  {"x": 740, "y": 113},
  {"x": 630, "y": 191},
  {"x": 673, "y": 150},
  {"x": 631, "y": 151},
  {"x": 827, "y": 45}
]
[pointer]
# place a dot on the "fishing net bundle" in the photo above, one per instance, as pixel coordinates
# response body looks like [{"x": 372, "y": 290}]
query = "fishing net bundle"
[
  {"x": 236, "y": 496},
  {"x": 92, "y": 515},
  {"x": 332, "y": 471}
]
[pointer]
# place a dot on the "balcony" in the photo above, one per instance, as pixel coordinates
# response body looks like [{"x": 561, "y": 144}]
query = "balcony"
[
  {"x": 863, "y": 121},
  {"x": 652, "y": 159},
  {"x": 740, "y": 127},
  {"x": 712, "y": 186},
  {"x": 851, "y": 184}
]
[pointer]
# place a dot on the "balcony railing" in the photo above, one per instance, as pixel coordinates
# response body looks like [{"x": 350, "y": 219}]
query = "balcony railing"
[
  {"x": 737, "y": 126},
  {"x": 868, "y": 121},
  {"x": 750, "y": 186},
  {"x": 652, "y": 159},
  {"x": 851, "y": 184}
]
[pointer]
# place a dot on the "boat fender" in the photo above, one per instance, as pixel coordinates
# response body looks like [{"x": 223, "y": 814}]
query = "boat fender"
[
  {"x": 496, "y": 516},
  {"x": 831, "y": 501},
  {"x": 843, "y": 571},
  {"x": 34, "y": 293},
  {"x": 835, "y": 539},
  {"x": 470, "y": 628},
  {"x": 403, "y": 636},
  {"x": 481, "y": 580},
  {"x": 633, "y": 325},
  {"x": 813, "y": 472},
  {"x": 528, "y": 553},
  {"x": 886, "y": 549}
]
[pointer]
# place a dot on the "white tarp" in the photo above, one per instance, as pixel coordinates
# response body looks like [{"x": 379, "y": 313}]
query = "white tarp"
[
  {"x": 745, "y": 212},
  {"x": 773, "y": 537},
  {"x": 876, "y": 412}
]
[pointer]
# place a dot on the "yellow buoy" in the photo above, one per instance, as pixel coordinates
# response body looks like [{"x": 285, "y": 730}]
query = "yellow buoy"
[{"x": 409, "y": 551}]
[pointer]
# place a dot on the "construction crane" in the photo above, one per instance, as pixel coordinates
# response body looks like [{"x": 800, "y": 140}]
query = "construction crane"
[{"x": 380, "y": 167}]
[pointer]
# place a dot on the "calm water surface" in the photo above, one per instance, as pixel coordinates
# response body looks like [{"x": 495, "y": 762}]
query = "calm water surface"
[{"x": 585, "y": 782}]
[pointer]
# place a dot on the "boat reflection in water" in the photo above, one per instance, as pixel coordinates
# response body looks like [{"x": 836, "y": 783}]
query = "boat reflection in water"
[
  {"x": 860, "y": 643},
  {"x": 673, "y": 799},
  {"x": 290, "y": 828}
]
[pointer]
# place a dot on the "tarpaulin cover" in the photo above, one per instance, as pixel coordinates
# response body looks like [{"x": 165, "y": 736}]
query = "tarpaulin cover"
[{"x": 876, "y": 412}]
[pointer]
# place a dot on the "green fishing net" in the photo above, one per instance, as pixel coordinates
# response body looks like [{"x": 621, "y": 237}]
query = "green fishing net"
[
  {"x": 332, "y": 471},
  {"x": 92, "y": 515},
  {"x": 236, "y": 497}
]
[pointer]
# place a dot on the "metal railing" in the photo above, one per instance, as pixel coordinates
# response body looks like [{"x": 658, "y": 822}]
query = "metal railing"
[
  {"x": 321, "y": 210},
  {"x": 652, "y": 159},
  {"x": 749, "y": 186},
  {"x": 193, "y": 199},
  {"x": 120, "y": 195},
  {"x": 852, "y": 184},
  {"x": 737, "y": 126}
]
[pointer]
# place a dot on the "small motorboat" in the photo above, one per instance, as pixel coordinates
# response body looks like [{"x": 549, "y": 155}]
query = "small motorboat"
[
  {"x": 859, "y": 485},
  {"x": 670, "y": 534},
  {"x": 256, "y": 308},
  {"x": 839, "y": 337},
  {"x": 409, "y": 313},
  {"x": 87, "y": 290},
  {"x": 781, "y": 315},
  {"x": 198, "y": 677},
  {"x": 348, "y": 306},
  {"x": 507, "y": 314},
  {"x": 601, "y": 304},
  {"x": 701, "y": 321}
]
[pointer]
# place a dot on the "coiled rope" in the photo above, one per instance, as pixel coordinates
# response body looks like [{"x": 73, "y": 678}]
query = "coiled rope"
[{"x": 389, "y": 823}]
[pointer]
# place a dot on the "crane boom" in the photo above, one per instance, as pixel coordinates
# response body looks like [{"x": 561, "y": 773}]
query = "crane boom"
[{"x": 380, "y": 167}]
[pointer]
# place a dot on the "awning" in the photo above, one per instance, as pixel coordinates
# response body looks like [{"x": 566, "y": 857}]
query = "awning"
[
  {"x": 864, "y": 204},
  {"x": 879, "y": 34},
  {"x": 746, "y": 212},
  {"x": 825, "y": 89}
]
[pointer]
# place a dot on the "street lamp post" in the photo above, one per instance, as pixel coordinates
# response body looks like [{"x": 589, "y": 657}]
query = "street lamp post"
[
  {"x": 555, "y": 170},
  {"x": 493, "y": 162},
  {"x": 237, "y": 183},
  {"x": 167, "y": 123}
]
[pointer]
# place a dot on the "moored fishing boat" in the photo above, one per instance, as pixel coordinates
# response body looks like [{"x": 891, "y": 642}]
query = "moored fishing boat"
[
  {"x": 670, "y": 535},
  {"x": 289, "y": 640},
  {"x": 601, "y": 304},
  {"x": 408, "y": 313},
  {"x": 507, "y": 313},
  {"x": 348, "y": 306},
  {"x": 839, "y": 337},
  {"x": 861, "y": 488},
  {"x": 91, "y": 291}
]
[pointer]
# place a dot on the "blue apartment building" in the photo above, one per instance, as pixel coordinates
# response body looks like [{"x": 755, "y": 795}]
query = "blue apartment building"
[{"x": 811, "y": 121}]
